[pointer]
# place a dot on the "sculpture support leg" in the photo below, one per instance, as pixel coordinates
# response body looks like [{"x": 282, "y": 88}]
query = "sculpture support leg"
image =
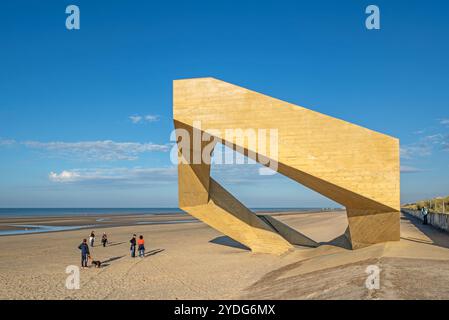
[
  {"x": 205, "y": 199},
  {"x": 367, "y": 228}
]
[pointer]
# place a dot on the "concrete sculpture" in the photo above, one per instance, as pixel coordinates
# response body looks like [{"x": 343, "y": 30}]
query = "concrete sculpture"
[{"x": 354, "y": 166}]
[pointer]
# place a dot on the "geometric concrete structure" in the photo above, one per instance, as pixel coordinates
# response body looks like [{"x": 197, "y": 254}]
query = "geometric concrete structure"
[{"x": 352, "y": 165}]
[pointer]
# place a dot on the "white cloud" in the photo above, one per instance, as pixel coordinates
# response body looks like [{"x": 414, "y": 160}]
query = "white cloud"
[
  {"x": 425, "y": 146},
  {"x": 445, "y": 144},
  {"x": 135, "y": 119},
  {"x": 439, "y": 140},
  {"x": 444, "y": 122},
  {"x": 105, "y": 150},
  {"x": 141, "y": 119},
  {"x": 64, "y": 176},
  {"x": 151, "y": 118},
  {"x": 121, "y": 176},
  {"x": 6, "y": 142},
  {"x": 409, "y": 169},
  {"x": 410, "y": 151},
  {"x": 435, "y": 138}
]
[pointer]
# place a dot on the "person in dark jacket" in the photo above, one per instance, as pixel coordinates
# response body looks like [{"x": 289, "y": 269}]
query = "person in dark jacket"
[
  {"x": 104, "y": 239},
  {"x": 84, "y": 253},
  {"x": 133, "y": 242},
  {"x": 424, "y": 212}
]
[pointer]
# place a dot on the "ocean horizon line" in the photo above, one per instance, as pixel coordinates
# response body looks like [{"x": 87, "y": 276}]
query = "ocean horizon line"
[{"x": 81, "y": 211}]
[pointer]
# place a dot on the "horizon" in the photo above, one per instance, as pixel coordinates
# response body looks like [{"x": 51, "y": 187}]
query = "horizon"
[{"x": 42, "y": 208}]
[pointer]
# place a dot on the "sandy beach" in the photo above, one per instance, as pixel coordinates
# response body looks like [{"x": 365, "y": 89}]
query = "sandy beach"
[{"x": 192, "y": 261}]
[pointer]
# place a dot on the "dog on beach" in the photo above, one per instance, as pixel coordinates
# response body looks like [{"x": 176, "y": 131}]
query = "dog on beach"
[{"x": 96, "y": 263}]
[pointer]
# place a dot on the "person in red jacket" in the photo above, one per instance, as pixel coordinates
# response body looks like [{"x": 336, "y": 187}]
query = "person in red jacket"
[{"x": 141, "y": 246}]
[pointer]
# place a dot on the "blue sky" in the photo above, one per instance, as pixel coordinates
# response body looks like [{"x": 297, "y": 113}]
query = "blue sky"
[{"x": 85, "y": 115}]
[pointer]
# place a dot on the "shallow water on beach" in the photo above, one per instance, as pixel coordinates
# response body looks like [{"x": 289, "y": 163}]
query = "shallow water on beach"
[
  {"x": 168, "y": 221},
  {"x": 29, "y": 228},
  {"x": 42, "y": 212},
  {"x": 40, "y": 220}
]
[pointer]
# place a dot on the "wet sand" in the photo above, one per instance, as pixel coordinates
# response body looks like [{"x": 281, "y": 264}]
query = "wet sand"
[
  {"x": 89, "y": 221},
  {"x": 193, "y": 261}
]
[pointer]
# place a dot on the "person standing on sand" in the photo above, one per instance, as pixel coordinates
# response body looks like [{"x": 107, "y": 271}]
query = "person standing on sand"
[
  {"x": 84, "y": 253},
  {"x": 133, "y": 246},
  {"x": 424, "y": 213},
  {"x": 141, "y": 244},
  {"x": 104, "y": 239},
  {"x": 92, "y": 239}
]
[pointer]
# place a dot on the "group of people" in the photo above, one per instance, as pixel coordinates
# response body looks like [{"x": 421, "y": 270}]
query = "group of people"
[
  {"x": 84, "y": 247},
  {"x": 104, "y": 239},
  {"x": 138, "y": 244}
]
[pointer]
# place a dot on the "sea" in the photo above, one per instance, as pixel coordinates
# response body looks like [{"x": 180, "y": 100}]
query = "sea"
[
  {"x": 20, "y": 228},
  {"x": 54, "y": 212}
]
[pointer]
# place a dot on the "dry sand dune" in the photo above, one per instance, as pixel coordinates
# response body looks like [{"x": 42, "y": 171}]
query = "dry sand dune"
[{"x": 193, "y": 261}]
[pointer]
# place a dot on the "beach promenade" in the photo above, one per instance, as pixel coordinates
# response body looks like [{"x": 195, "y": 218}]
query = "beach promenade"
[{"x": 193, "y": 261}]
